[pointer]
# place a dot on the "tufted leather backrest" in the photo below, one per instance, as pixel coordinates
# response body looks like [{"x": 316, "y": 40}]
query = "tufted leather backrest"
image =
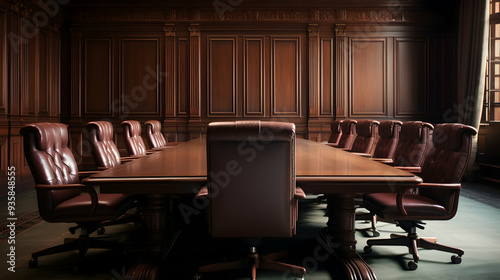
[
  {"x": 447, "y": 160},
  {"x": 104, "y": 150},
  {"x": 251, "y": 178},
  {"x": 51, "y": 162},
  {"x": 133, "y": 139},
  {"x": 413, "y": 144},
  {"x": 388, "y": 132},
  {"x": 154, "y": 135},
  {"x": 348, "y": 128},
  {"x": 365, "y": 130},
  {"x": 336, "y": 132}
]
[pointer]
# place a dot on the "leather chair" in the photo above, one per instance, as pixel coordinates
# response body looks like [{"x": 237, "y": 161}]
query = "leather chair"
[
  {"x": 156, "y": 140},
  {"x": 413, "y": 145},
  {"x": 336, "y": 133},
  {"x": 388, "y": 132},
  {"x": 133, "y": 139},
  {"x": 61, "y": 197},
  {"x": 348, "y": 128},
  {"x": 366, "y": 131},
  {"x": 435, "y": 199},
  {"x": 104, "y": 150},
  {"x": 251, "y": 194}
]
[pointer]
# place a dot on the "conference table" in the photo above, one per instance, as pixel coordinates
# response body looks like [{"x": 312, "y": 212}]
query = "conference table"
[{"x": 320, "y": 169}]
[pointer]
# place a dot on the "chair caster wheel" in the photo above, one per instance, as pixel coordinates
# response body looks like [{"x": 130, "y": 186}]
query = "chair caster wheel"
[
  {"x": 101, "y": 231},
  {"x": 33, "y": 262},
  {"x": 412, "y": 265},
  {"x": 367, "y": 249},
  {"x": 456, "y": 259},
  {"x": 197, "y": 276}
]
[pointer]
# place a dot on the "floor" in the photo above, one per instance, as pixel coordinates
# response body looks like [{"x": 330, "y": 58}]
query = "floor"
[{"x": 475, "y": 229}]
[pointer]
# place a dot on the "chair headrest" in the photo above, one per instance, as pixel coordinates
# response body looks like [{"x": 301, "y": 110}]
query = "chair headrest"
[
  {"x": 348, "y": 126},
  {"x": 448, "y": 136},
  {"x": 133, "y": 126},
  {"x": 365, "y": 127},
  {"x": 104, "y": 130},
  {"x": 265, "y": 131},
  {"x": 154, "y": 125},
  {"x": 52, "y": 136},
  {"x": 335, "y": 126},
  {"x": 415, "y": 131},
  {"x": 387, "y": 129}
]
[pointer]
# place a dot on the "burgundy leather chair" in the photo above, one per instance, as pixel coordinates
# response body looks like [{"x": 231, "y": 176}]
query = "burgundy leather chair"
[
  {"x": 366, "y": 131},
  {"x": 435, "y": 199},
  {"x": 133, "y": 139},
  {"x": 348, "y": 128},
  {"x": 104, "y": 150},
  {"x": 251, "y": 194},
  {"x": 336, "y": 133},
  {"x": 156, "y": 140},
  {"x": 155, "y": 137},
  {"x": 388, "y": 132},
  {"x": 61, "y": 197},
  {"x": 413, "y": 145}
]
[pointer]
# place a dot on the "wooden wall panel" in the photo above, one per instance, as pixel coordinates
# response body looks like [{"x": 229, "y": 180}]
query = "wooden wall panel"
[
  {"x": 327, "y": 81},
  {"x": 140, "y": 89},
  {"x": 182, "y": 76},
  {"x": 285, "y": 77},
  {"x": 253, "y": 76},
  {"x": 3, "y": 58},
  {"x": 368, "y": 77},
  {"x": 410, "y": 81},
  {"x": 97, "y": 85},
  {"x": 32, "y": 75},
  {"x": 43, "y": 92},
  {"x": 221, "y": 75}
]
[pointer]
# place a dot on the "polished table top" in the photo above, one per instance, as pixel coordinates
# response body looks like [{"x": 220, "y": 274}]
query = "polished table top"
[{"x": 319, "y": 169}]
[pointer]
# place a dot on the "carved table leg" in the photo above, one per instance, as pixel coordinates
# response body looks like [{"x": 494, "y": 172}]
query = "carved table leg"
[
  {"x": 148, "y": 266},
  {"x": 341, "y": 216}
]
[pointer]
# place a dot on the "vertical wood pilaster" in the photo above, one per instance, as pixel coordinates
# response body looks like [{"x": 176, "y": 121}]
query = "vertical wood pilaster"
[
  {"x": 314, "y": 86},
  {"x": 170, "y": 69},
  {"x": 341, "y": 71},
  {"x": 194, "y": 72}
]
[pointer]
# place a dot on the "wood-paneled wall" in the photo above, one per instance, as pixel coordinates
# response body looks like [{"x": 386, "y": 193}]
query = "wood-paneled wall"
[
  {"x": 29, "y": 79},
  {"x": 191, "y": 63}
]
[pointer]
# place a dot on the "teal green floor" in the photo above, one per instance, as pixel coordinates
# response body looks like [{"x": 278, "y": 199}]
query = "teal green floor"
[{"x": 475, "y": 229}]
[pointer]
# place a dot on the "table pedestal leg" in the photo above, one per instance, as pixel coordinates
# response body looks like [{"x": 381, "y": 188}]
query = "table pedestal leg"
[
  {"x": 148, "y": 267},
  {"x": 341, "y": 216}
]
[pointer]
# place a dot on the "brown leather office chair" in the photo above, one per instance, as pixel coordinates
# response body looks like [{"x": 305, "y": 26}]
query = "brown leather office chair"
[
  {"x": 413, "y": 145},
  {"x": 336, "y": 133},
  {"x": 348, "y": 128},
  {"x": 61, "y": 197},
  {"x": 104, "y": 150},
  {"x": 156, "y": 140},
  {"x": 366, "y": 131},
  {"x": 435, "y": 199},
  {"x": 251, "y": 194},
  {"x": 133, "y": 139},
  {"x": 155, "y": 137},
  {"x": 388, "y": 132}
]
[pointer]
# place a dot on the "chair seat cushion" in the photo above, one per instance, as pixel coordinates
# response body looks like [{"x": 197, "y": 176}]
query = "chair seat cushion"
[
  {"x": 77, "y": 209},
  {"x": 384, "y": 205}
]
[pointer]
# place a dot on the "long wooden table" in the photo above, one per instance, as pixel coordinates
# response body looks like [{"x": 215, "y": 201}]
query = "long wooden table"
[{"x": 319, "y": 169}]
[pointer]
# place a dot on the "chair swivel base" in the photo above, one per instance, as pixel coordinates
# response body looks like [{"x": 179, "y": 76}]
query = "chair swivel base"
[
  {"x": 254, "y": 261},
  {"x": 413, "y": 242},
  {"x": 82, "y": 244}
]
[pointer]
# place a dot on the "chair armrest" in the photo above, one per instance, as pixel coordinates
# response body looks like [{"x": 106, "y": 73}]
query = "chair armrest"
[
  {"x": 299, "y": 193},
  {"x": 399, "y": 199},
  {"x": 332, "y": 144},
  {"x": 384, "y": 160},
  {"x": 85, "y": 174},
  {"x": 367, "y": 155},
  {"x": 202, "y": 193},
  {"x": 411, "y": 169},
  {"x": 83, "y": 188}
]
